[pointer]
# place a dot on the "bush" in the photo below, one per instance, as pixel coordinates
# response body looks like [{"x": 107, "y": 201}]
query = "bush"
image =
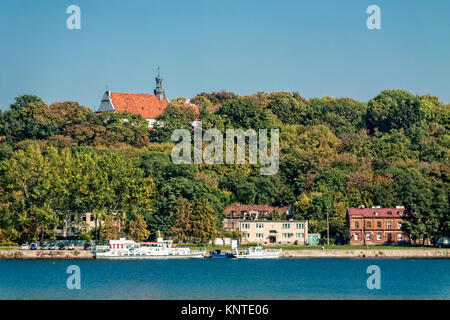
[
  {"x": 8, "y": 244},
  {"x": 323, "y": 241}
]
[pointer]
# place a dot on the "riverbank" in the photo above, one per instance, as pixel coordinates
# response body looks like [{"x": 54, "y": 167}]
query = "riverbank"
[
  {"x": 46, "y": 254},
  {"x": 368, "y": 253},
  {"x": 312, "y": 253}
]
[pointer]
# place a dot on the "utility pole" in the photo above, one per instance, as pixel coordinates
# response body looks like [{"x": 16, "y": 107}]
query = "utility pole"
[{"x": 328, "y": 229}]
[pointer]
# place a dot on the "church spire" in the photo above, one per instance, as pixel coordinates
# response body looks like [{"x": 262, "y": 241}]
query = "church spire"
[{"x": 159, "y": 91}]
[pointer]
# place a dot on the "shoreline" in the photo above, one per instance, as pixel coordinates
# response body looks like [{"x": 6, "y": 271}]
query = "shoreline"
[
  {"x": 18, "y": 254},
  {"x": 368, "y": 253}
]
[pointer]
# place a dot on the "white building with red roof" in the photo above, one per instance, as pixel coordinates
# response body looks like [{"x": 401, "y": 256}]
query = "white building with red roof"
[{"x": 149, "y": 106}]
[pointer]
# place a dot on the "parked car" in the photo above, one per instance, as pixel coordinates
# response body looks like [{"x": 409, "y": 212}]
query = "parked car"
[
  {"x": 33, "y": 246},
  {"x": 71, "y": 247},
  {"x": 443, "y": 242},
  {"x": 51, "y": 247},
  {"x": 24, "y": 247},
  {"x": 61, "y": 246},
  {"x": 43, "y": 246},
  {"x": 87, "y": 246}
]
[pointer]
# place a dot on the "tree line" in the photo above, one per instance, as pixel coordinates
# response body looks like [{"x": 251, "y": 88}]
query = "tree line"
[{"x": 334, "y": 153}]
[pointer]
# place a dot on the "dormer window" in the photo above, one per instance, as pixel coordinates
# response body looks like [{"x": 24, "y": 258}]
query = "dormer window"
[
  {"x": 390, "y": 212},
  {"x": 400, "y": 213},
  {"x": 376, "y": 213}
]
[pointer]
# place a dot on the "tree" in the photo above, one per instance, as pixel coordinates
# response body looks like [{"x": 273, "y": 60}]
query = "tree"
[
  {"x": 181, "y": 228},
  {"x": 241, "y": 113},
  {"x": 138, "y": 228},
  {"x": 287, "y": 108},
  {"x": 394, "y": 109},
  {"x": 203, "y": 221},
  {"x": 174, "y": 117},
  {"x": 112, "y": 228},
  {"x": 274, "y": 215}
]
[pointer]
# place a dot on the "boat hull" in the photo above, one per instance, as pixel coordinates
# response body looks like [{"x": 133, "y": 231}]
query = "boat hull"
[
  {"x": 149, "y": 257},
  {"x": 222, "y": 255},
  {"x": 256, "y": 257}
]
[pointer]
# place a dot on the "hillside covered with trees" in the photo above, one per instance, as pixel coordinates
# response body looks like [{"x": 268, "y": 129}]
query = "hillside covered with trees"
[{"x": 334, "y": 153}]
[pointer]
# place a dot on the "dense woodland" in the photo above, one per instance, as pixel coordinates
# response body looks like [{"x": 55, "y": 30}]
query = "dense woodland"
[{"x": 334, "y": 153}]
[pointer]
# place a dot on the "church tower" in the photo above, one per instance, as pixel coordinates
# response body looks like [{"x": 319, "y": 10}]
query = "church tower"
[{"x": 159, "y": 91}]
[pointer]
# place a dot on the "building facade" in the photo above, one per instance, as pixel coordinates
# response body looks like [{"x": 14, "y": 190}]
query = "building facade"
[
  {"x": 255, "y": 211},
  {"x": 255, "y": 224},
  {"x": 274, "y": 232},
  {"x": 77, "y": 223},
  {"x": 376, "y": 226},
  {"x": 149, "y": 106}
]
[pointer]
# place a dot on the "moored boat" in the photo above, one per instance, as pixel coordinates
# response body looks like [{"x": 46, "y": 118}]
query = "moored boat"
[
  {"x": 129, "y": 249},
  {"x": 256, "y": 253},
  {"x": 221, "y": 255}
]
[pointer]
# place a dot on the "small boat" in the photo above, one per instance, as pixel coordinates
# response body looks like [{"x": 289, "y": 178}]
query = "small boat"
[
  {"x": 221, "y": 255},
  {"x": 256, "y": 253}
]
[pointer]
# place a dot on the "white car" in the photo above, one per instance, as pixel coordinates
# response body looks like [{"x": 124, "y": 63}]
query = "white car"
[
  {"x": 71, "y": 247},
  {"x": 24, "y": 247}
]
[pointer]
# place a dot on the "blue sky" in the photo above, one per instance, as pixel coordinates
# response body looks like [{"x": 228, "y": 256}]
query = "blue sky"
[{"x": 319, "y": 48}]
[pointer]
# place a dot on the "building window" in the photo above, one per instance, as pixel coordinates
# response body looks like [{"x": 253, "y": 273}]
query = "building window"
[
  {"x": 286, "y": 235},
  {"x": 369, "y": 224},
  {"x": 286, "y": 225},
  {"x": 399, "y": 237},
  {"x": 378, "y": 236},
  {"x": 369, "y": 236},
  {"x": 300, "y": 235},
  {"x": 72, "y": 218},
  {"x": 356, "y": 225},
  {"x": 389, "y": 225},
  {"x": 355, "y": 237},
  {"x": 245, "y": 226},
  {"x": 260, "y": 235},
  {"x": 378, "y": 224},
  {"x": 92, "y": 217},
  {"x": 399, "y": 225},
  {"x": 84, "y": 218},
  {"x": 259, "y": 226},
  {"x": 300, "y": 226}
]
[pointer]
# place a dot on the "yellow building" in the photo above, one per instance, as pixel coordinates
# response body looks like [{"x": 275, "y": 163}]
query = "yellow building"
[{"x": 275, "y": 232}]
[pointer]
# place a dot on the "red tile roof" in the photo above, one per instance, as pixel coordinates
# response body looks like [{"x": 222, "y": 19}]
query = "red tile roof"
[
  {"x": 237, "y": 208},
  {"x": 370, "y": 212},
  {"x": 147, "y": 105}
]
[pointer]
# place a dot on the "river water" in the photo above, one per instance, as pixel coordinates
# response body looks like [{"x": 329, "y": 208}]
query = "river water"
[{"x": 303, "y": 278}]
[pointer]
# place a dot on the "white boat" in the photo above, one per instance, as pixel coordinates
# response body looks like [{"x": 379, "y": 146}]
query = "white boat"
[
  {"x": 129, "y": 249},
  {"x": 257, "y": 253}
]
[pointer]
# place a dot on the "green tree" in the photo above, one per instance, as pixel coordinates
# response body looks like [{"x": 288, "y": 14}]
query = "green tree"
[
  {"x": 138, "y": 228},
  {"x": 204, "y": 226},
  {"x": 181, "y": 228}
]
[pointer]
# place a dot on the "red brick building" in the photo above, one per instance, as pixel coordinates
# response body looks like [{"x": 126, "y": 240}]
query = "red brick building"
[{"x": 376, "y": 225}]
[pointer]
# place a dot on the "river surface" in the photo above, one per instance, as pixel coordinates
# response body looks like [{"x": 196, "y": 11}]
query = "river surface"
[{"x": 304, "y": 278}]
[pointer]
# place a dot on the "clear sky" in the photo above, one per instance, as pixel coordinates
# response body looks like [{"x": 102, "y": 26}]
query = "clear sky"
[{"x": 319, "y": 48}]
